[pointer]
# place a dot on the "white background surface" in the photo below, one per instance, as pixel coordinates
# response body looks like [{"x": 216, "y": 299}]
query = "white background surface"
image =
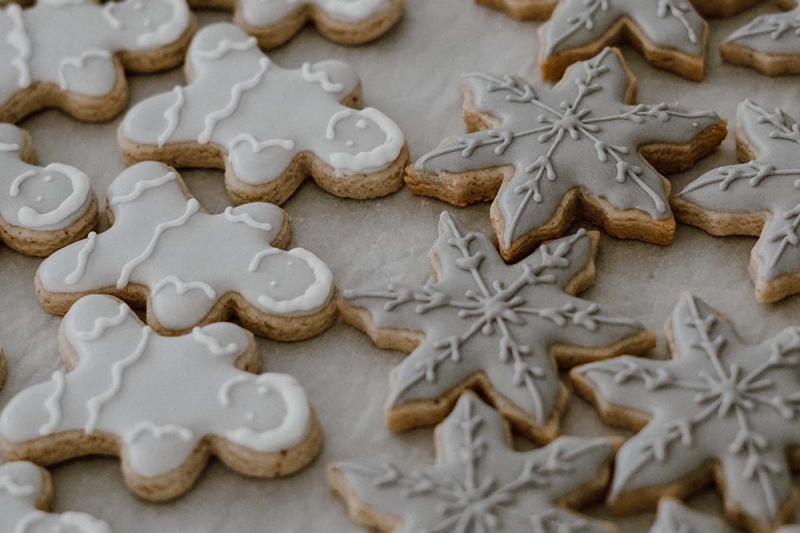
[{"x": 412, "y": 75}]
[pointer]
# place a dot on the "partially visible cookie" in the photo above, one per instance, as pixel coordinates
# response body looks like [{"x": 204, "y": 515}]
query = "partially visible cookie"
[
  {"x": 268, "y": 127},
  {"x": 26, "y": 497},
  {"x": 163, "y": 404},
  {"x": 274, "y": 22},
  {"x": 758, "y": 197},
  {"x": 523, "y": 9},
  {"x": 727, "y": 8},
  {"x": 73, "y": 54},
  {"x": 769, "y": 44},
  {"x": 479, "y": 483},
  {"x": 2, "y": 368},
  {"x": 670, "y": 34},
  {"x": 675, "y": 517},
  {"x": 42, "y": 209},
  {"x": 720, "y": 410}
]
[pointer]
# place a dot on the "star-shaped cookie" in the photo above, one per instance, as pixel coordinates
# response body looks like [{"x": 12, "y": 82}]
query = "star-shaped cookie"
[
  {"x": 720, "y": 410},
  {"x": 769, "y": 44},
  {"x": 670, "y": 33},
  {"x": 487, "y": 326},
  {"x": 583, "y": 148},
  {"x": 675, "y": 517},
  {"x": 479, "y": 483},
  {"x": 759, "y": 197}
]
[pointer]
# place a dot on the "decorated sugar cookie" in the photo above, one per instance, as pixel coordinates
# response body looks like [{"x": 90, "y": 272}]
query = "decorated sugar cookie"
[
  {"x": 268, "y": 127},
  {"x": 581, "y": 149},
  {"x": 191, "y": 268},
  {"x": 758, "y": 197},
  {"x": 72, "y": 54},
  {"x": 26, "y": 496},
  {"x": 163, "y": 404},
  {"x": 674, "y": 517},
  {"x": 42, "y": 209},
  {"x": 2, "y": 368},
  {"x": 498, "y": 329},
  {"x": 670, "y": 33},
  {"x": 273, "y": 22},
  {"x": 769, "y": 44},
  {"x": 720, "y": 410},
  {"x": 479, "y": 483}
]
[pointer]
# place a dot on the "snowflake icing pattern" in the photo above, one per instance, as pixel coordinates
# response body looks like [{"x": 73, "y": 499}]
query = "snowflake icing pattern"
[
  {"x": 775, "y": 33},
  {"x": 479, "y": 484},
  {"x": 579, "y": 136},
  {"x": 717, "y": 400},
  {"x": 489, "y": 325}
]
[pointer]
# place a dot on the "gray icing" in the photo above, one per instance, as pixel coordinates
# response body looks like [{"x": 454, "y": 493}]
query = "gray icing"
[
  {"x": 267, "y": 12},
  {"x": 482, "y": 315},
  {"x": 674, "y": 517},
  {"x": 769, "y": 184},
  {"x": 38, "y": 198},
  {"x": 479, "y": 483},
  {"x": 71, "y": 43},
  {"x": 262, "y": 115},
  {"x": 672, "y": 24},
  {"x": 187, "y": 258},
  {"x": 21, "y": 488},
  {"x": 775, "y": 33},
  {"x": 579, "y": 134},
  {"x": 718, "y": 399}
]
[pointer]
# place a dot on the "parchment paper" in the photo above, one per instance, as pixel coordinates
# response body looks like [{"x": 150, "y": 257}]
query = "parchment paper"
[{"x": 412, "y": 75}]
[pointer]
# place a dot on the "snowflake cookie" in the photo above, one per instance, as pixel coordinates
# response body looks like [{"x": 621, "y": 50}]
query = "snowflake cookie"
[
  {"x": 720, "y": 410},
  {"x": 26, "y": 494},
  {"x": 769, "y": 44},
  {"x": 545, "y": 155},
  {"x": 670, "y": 33},
  {"x": 675, "y": 517},
  {"x": 479, "y": 483},
  {"x": 191, "y": 268},
  {"x": 163, "y": 404},
  {"x": 487, "y": 326},
  {"x": 274, "y": 22},
  {"x": 761, "y": 196},
  {"x": 268, "y": 127},
  {"x": 72, "y": 54},
  {"x": 42, "y": 209}
]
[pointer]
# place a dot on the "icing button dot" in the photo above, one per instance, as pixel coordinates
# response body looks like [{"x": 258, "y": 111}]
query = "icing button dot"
[
  {"x": 361, "y": 124},
  {"x": 48, "y": 178},
  {"x": 273, "y": 283},
  {"x": 39, "y": 199}
]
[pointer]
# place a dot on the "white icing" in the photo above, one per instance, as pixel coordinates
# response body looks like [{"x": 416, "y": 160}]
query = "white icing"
[
  {"x": 330, "y": 131},
  {"x": 259, "y": 146},
  {"x": 146, "y": 427},
  {"x": 17, "y": 183},
  {"x": 78, "y": 62},
  {"x": 170, "y": 30},
  {"x": 262, "y": 13},
  {"x": 172, "y": 116},
  {"x": 373, "y": 160},
  {"x": 141, "y": 187},
  {"x": 213, "y": 344},
  {"x": 79, "y": 522},
  {"x": 320, "y": 77},
  {"x": 182, "y": 288},
  {"x": 53, "y": 404},
  {"x": 226, "y": 46},
  {"x": 8, "y": 486},
  {"x": 108, "y": 14},
  {"x": 83, "y": 256},
  {"x": 225, "y": 390},
  {"x": 31, "y": 218},
  {"x": 317, "y": 291},
  {"x": 18, "y": 38},
  {"x": 247, "y": 219},
  {"x": 261, "y": 255},
  {"x": 9, "y": 147},
  {"x": 101, "y": 324}
]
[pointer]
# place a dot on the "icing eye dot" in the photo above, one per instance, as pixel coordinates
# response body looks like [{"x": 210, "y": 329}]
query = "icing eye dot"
[
  {"x": 695, "y": 124},
  {"x": 289, "y": 263},
  {"x": 273, "y": 283},
  {"x": 361, "y": 124},
  {"x": 250, "y": 417},
  {"x": 48, "y": 178},
  {"x": 350, "y": 143},
  {"x": 39, "y": 199},
  {"x": 797, "y": 184}
]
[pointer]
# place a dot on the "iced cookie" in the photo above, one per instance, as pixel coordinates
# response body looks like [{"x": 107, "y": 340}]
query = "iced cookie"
[
  {"x": 190, "y": 268},
  {"x": 769, "y": 44},
  {"x": 479, "y": 483},
  {"x": 268, "y": 127},
  {"x": 759, "y": 197},
  {"x": 674, "y": 517},
  {"x": 73, "y": 54},
  {"x": 670, "y": 33},
  {"x": 274, "y": 22},
  {"x": 163, "y": 404},
  {"x": 42, "y": 209},
  {"x": 582, "y": 149},
  {"x": 2, "y": 368},
  {"x": 486, "y": 326},
  {"x": 26, "y": 496},
  {"x": 720, "y": 410}
]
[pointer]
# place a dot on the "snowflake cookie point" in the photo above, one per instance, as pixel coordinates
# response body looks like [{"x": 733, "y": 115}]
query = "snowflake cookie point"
[
  {"x": 770, "y": 43},
  {"x": 478, "y": 482},
  {"x": 192, "y": 268},
  {"x": 757, "y": 196},
  {"x": 726, "y": 402},
  {"x": 496, "y": 328},
  {"x": 243, "y": 110},
  {"x": 122, "y": 391}
]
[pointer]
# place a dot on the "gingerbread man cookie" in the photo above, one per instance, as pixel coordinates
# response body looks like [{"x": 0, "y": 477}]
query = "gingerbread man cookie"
[
  {"x": 42, "y": 209},
  {"x": 191, "y": 268},
  {"x": 72, "y": 54},
  {"x": 769, "y": 44},
  {"x": 675, "y": 517},
  {"x": 761, "y": 196},
  {"x": 720, "y": 410},
  {"x": 479, "y": 482},
  {"x": 26, "y": 494},
  {"x": 483, "y": 325},
  {"x": 274, "y": 22},
  {"x": 163, "y": 404},
  {"x": 268, "y": 127},
  {"x": 582, "y": 147},
  {"x": 670, "y": 33}
]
